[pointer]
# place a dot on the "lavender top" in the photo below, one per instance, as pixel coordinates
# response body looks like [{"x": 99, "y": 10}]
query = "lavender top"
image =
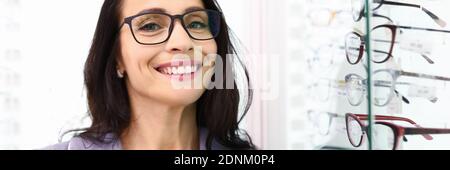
[{"x": 113, "y": 143}]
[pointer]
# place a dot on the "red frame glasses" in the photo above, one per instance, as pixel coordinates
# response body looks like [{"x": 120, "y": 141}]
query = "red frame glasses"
[{"x": 399, "y": 131}]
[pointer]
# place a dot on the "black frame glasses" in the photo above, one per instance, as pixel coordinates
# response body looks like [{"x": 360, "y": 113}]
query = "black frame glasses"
[
  {"x": 213, "y": 24},
  {"x": 359, "y": 51},
  {"x": 358, "y": 9}
]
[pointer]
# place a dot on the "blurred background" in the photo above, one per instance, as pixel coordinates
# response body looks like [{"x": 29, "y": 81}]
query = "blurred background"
[{"x": 299, "y": 53}]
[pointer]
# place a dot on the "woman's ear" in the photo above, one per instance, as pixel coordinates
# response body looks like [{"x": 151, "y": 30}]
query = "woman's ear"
[{"x": 120, "y": 67}]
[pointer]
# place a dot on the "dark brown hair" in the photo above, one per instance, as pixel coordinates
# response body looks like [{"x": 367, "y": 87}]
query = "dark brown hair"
[{"x": 109, "y": 107}]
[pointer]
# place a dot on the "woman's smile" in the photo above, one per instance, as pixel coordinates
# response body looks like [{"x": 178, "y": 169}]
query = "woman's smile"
[{"x": 180, "y": 70}]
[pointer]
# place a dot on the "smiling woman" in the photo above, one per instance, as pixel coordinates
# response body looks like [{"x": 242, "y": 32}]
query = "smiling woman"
[{"x": 141, "y": 48}]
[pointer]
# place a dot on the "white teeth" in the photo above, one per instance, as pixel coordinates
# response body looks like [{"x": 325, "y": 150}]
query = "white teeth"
[
  {"x": 188, "y": 69},
  {"x": 180, "y": 70},
  {"x": 174, "y": 70}
]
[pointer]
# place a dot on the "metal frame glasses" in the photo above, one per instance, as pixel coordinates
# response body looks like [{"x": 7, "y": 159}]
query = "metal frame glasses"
[
  {"x": 385, "y": 82},
  {"x": 356, "y": 90}
]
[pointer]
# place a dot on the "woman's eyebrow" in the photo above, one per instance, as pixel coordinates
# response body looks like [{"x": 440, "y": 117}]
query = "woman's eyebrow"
[
  {"x": 162, "y": 10},
  {"x": 195, "y": 8},
  {"x": 150, "y": 10}
]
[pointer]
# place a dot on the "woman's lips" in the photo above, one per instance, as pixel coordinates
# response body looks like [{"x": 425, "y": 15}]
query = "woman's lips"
[{"x": 179, "y": 70}]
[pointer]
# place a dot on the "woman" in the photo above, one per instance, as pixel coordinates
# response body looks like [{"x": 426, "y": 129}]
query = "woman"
[{"x": 141, "y": 51}]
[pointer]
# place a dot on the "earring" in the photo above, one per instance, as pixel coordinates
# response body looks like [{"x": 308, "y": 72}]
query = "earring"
[{"x": 119, "y": 74}]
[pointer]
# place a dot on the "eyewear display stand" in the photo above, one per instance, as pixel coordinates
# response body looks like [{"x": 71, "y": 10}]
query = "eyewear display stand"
[{"x": 390, "y": 92}]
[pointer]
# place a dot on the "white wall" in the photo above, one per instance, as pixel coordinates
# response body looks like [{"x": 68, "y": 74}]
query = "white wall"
[{"x": 53, "y": 38}]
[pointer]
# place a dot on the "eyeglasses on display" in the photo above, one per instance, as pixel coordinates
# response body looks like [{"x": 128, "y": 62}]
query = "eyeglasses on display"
[
  {"x": 386, "y": 135},
  {"x": 383, "y": 37}
]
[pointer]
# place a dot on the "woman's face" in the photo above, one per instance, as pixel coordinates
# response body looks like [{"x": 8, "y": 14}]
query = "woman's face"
[{"x": 164, "y": 72}]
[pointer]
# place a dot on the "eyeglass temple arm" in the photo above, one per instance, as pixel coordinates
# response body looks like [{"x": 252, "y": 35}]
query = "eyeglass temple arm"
[
  {"x": 382, "y": 16},
  {"x": 427, "y": 76},
  {"x": 435, "y": 18},
  {"x": 432, "y": 99},
  {"x": 390, "y": 55},
  {"x": 403, "y": 97},
  {"x": 406, "y": 100},
  {"x": 423, "y": 29},
  {"x": 427, "y": 58},
  {"x": 383, "y": 117},
  {"x": 379, "y": 83},
  {"x": 121, "y": 25},
  {"x": 422, "y": 131},
  {"x": 395, "y": 118}
]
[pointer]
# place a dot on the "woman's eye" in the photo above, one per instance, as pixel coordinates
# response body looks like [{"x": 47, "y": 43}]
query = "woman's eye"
[
  {"x": 197, "y": 25},
  {"x": 150, "y": 27}
]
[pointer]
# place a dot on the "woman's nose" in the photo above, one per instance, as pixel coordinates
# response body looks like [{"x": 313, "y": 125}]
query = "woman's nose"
[{"x": 179, "y": 41}]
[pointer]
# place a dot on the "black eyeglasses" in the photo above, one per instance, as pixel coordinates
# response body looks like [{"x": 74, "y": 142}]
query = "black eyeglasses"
[
  {"x": 358, "y": 9},
  {"x": 383, "y": 37},
  {"x": 153, "y": 28}
]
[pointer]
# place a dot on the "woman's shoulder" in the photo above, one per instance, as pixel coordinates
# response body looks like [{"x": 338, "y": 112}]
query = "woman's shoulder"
[
  {"x": 111, "y": 142},
  {"x": 79, "y": 143}
]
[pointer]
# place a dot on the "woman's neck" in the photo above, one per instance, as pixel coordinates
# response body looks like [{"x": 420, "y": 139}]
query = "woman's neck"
[{"x": 155, "y": 126}]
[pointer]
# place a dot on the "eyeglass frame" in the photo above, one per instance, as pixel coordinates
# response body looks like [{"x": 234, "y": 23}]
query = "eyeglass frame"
[
  {"x": 330, "y": 84},
  {"x": 364, "y": 86},
  {"x": 399, "y": 131},
  {"x": 395, "y": 75},
  {"x": 316, "y": 57},
  {"x": 393, "y": 41},
  {"x": 128, "y": 21},
  {"x": 333, "y": 14},
  {"x": 382, "y": 2},
  {"x": 330, "y": 116}
]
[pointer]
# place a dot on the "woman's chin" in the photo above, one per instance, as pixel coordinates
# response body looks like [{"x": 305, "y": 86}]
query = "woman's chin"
[
  {"x": 178, "y": 89},
  {"x": 180, "y": 96}
]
